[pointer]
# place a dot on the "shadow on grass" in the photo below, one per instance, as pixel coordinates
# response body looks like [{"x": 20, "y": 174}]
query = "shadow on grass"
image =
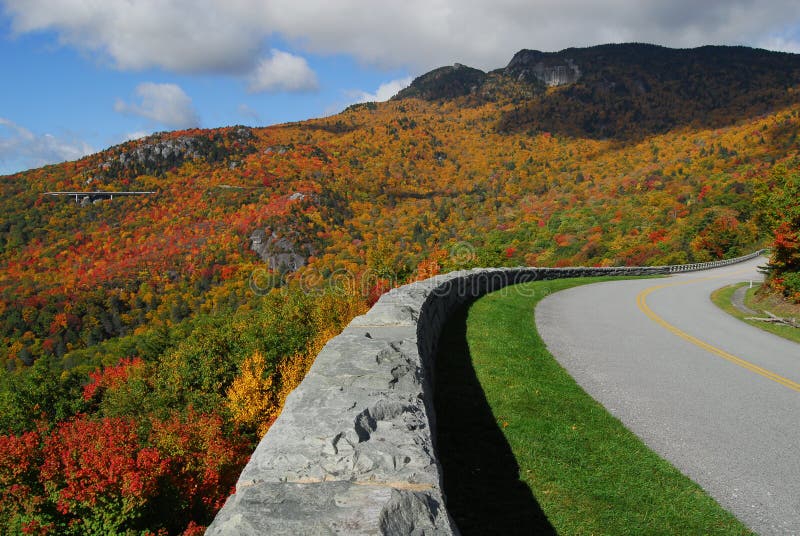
[{"x": 481, "y": 476}]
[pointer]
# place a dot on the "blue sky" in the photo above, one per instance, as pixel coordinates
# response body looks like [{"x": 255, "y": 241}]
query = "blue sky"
[{"x": 81, "y": 75}]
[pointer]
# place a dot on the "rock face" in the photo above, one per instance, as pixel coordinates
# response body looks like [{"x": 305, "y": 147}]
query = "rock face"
[
  {"x": 354, "y": 450},
  {"x": 175, "y": 150},
  {"x": 550, "y": 69},
  {"x": 279, "y": 253},
  {"x": 159, "y": 153}
]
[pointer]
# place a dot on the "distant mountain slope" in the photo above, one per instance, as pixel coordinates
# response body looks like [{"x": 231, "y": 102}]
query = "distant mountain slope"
[
  {"x": 629, "y": 90},
  {"x": 445, "y": 83},
  {"x": 513, "y": 160}
]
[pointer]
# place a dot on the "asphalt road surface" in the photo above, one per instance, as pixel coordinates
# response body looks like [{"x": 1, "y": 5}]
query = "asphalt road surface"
[{"x": 716, "y": 397}]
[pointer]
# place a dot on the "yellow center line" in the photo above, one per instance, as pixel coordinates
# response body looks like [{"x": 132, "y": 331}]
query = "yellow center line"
[{"x": 641, "y": 301}]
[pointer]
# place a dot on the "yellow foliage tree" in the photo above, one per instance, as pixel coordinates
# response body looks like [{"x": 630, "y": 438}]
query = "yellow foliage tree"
[
  {"x": 292, "y": 371},
  {"x": 256, "y": 398},
  {"x": 251, "y": 398}
]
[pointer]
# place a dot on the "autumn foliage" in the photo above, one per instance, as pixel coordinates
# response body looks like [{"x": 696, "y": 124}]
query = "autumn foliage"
[
  {"x": 146, "y": 348},
  {"x": 780, "y": 198},
  {"x": 111, "y": 377},
  {"x": 106, "y": 476}
]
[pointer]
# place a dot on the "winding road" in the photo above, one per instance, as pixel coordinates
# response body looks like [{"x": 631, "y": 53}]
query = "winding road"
[{"x": 716, "y": 397}]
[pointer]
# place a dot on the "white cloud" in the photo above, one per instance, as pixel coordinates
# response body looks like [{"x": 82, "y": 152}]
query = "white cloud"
[
  {"x": 22, "y": 149},
  {"x": 177, "y": 35},
  {"x": 786, "y": 41},
  {"x": 384, "y": 92},
  {"x": 430, "y": 33},
  {"x": 137, "y": 135},
  {"x": 282, "y": 71},
  {"x": 166, "y": 104},
  {"x": 782, "y": 44},
  {"x": 229, "y": 36}
]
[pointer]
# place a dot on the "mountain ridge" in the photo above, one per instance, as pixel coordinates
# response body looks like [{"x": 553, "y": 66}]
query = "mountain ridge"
[
  {"x": 599, "y": 91},
  {"x": 633, "y": 53}
]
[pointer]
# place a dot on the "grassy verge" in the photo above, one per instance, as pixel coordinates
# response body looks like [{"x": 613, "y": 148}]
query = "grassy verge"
[
  {"x": 722, "y": 299},
  {"x": 525, "y": 450}
]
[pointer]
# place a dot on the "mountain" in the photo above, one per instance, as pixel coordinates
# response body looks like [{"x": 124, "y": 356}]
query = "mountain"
[
  {"x": 177, "y": 321},
  {"x": 626, "y": 91},
  {"x": 445, "y": 83}
]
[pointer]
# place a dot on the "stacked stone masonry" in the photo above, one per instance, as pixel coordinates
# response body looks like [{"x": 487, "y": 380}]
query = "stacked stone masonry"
[{"x": 354, "y": 450}]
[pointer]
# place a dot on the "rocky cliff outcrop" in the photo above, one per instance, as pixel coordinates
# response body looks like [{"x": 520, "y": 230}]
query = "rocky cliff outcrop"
[
  {"x": 551, "y": 70},
  {"x": 280, "y": 252},
  {"x": 159, "y": 153}
]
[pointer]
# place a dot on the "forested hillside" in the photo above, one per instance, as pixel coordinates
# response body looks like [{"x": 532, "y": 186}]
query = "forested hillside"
[{"x": 146, "y": 345}]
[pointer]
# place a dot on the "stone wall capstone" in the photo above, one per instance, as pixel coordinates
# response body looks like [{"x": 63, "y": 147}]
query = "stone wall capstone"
[{"x": 354, "y": 449}]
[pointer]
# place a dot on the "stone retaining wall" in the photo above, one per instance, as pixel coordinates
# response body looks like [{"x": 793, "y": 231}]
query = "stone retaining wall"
[{"x": 353, "y": 451}]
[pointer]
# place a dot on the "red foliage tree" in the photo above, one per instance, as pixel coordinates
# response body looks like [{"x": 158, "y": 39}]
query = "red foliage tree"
[
  {"x": 20, "y": 492},
  {"x": 99, "y": 475},
  {"x": 203, "y": 463},
  {"x": 110, "y": 377}
]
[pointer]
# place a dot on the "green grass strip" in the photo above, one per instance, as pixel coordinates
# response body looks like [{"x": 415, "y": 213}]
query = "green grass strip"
[
  {"x": 722, "y": 299},
  {"x": 526, "y": 451}
]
